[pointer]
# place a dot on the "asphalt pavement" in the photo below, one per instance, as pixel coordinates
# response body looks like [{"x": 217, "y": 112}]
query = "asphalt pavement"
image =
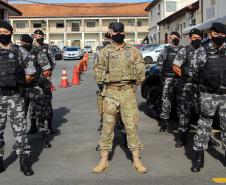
[{"x": 72, "y": 156}]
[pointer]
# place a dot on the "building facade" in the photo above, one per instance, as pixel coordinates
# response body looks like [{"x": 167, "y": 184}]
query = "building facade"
[
  {"x": 7, "y": 10},
  {"x": 188, "y": 16},
  {"x": 81, "y": 24},
  {"x": 159, "y": 10}
]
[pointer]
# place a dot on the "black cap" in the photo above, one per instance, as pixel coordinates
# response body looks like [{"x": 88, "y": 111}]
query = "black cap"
[
  {"x": 110, "y": 25},
  {"x": 39, "y": 32},
  {"x": 117, "y": 27},
  {"x": 6, "y": 25},
  {"x": 26, "y": 38},
  {"x": 218, "y": 27},
  {"x": 175, "y": 33},
  {"x": 195, "y": 31}
]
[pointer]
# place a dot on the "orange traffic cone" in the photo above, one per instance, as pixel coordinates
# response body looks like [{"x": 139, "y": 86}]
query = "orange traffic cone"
[
  {"x": 84, "y": 65},
  {"x": 64, "y": 79},
  {"x": 75, "y": 77}
]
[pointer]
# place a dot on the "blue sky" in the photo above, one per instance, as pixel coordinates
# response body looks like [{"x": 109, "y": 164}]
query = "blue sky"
[{"x": 83, "y": 1}]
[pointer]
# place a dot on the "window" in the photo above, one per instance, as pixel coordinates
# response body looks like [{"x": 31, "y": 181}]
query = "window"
[
  {"x": 91, "y": 24},
  {"x": 75, "y": 26},
  {"x": 59, "y": 25},
  {"x": 158, "y": 9},
  {"x": 20, "y": 25},
  {"x": 171, "y": 6},
  {"x": 37, "y": 25},
  {"x": 139, "y": 24},
  {"x": 130, "y": 23}
]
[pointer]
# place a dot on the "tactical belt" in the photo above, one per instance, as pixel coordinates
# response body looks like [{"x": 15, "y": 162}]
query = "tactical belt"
[
  {"x": 189, "y": 80},
  {"x": 9, "y": 91},
  {"x": 119, "y": 87}
]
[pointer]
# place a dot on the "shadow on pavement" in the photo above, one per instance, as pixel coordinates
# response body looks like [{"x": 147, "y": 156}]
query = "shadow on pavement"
[
  {"x": 121, "y": 141},
  {"x": 36, "y": 140}
]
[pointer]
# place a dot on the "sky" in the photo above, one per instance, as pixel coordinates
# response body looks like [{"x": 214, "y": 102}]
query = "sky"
[{"x": 82, "y": 1}]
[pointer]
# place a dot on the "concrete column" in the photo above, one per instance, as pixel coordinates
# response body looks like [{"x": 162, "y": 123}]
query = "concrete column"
[
  {"x": 135, "y": 31},
  {"x": 100, "y": 31},
  {"x": 65, "y": 32},
  {"x": 83, "y": 40},
  {"x": 47, "y": 31},
  {"x": 29, "y": 25}
]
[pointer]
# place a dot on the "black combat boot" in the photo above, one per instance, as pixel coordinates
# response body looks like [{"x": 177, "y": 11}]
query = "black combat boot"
[
  {"x": 164, "y": 124},
  {"x": 213, "y": 143},
  {"x": 33, "y": 128},
  {"x": 198, "y": 162},
  {"x": 50, "y": 126},
  {"x": 181, "y": 139},
  {"x": 46, "y": 141},
  {"x": 2, "y": 168},
  {"x": 25, "y": 165}
]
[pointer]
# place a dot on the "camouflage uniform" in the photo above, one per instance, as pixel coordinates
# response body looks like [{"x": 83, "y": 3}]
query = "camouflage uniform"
[
  {"x": 211, "y": 100},
  {"x": 190, "y": 91},
  {"x": 12, "y": 106},
  {"x": 171, "y": 84},
  {"x": 118, "y": 70},
  {"x": 45, "y": 56},
  {"x": 35, "y": 93}
]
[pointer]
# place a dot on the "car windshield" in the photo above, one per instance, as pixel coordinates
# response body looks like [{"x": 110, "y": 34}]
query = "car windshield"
[
  {"x": 149, "y": 47},
  {"x": 71, "y": 49},
  {"x": 87, "y": 47}
]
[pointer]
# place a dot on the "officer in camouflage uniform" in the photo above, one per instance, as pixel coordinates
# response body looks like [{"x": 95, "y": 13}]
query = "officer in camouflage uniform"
[
  {"x": 45, "y": 52},
  {"x": 210, "y": 68},
  {"x": 189, "y": 96},
  {"x": 120, "y": 68},
  {"x": 165, "y": 64},
  {"x": 16, "y": 68},
  {"x": 34, "y": 92}
]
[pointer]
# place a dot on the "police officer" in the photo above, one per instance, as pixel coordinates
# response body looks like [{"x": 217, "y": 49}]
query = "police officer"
[
  {"x": 189, "y": 96},
  {"x": 210, "y": 68},
  {"x": 45, "y": 51},
  {"x": 16, "y": 68},
  {"x": 120, "y": 68},
  {"x": 34, "y": 92},
  {"x": 165, "y": 64}
]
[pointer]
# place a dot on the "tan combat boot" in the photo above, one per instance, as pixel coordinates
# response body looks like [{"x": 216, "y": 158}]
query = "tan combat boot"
[
  {"x": 137, "y": 164},
  {"x": 103, "y": 164}
]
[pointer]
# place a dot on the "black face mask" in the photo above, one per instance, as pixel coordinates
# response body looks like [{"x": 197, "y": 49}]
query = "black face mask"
[
  {"x": 196, "y": 43},
  {"x": 175, "y": 42},
  {"x": 5, "y": 39},
  {"x": 119, "y": 38},
  {"x": 218, "y": 40},
  {"x": 27, "y": 46},
  {"x": 40, "y": 40}
]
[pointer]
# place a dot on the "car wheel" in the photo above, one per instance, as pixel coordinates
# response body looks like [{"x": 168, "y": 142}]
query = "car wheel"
[{"x": 148, "y": 60}]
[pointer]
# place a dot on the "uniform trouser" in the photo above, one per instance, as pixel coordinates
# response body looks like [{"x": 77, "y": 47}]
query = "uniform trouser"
[
  {"x": 13, "y": 109},
  {"x": 210, "y": 103},
  {"x": 170, "y": 86},
  {"x": 188, "y": 105},
  {"x": 124, "y": 102},
  {"x": 36, "y": 105}
]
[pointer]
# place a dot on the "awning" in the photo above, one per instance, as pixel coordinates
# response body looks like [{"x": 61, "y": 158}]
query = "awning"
[{"x": 205, "y": 25}]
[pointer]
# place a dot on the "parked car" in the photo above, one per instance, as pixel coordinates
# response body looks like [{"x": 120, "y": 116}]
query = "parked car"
[
  {"x": 88, "y": 49},
  {"x": 57, "y": 52},
  {"x": 150, "y": 57},
  {"x": 148, "y": 47},
  {"x": 72, "y": 53}
]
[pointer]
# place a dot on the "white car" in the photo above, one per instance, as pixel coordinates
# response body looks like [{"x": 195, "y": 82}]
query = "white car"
[
  {"x": 72, "y": 53},
  {"x": 150, "y": 57}
]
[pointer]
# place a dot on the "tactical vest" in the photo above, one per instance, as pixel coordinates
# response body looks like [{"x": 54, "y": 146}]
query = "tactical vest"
[
  {"x": 45, "y": 47},
  {"x": 120, "y": 67},
  {"x": 168, "y": 63},
  {"x": 187, "y": 65},
  {"x": 37, "y": 75},
  {"x": 213, "y": 75},
  {"x": 11, "y": 73}
]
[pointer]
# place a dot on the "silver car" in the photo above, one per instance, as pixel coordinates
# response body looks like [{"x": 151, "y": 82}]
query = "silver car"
[{"x": 72, "y": 53}]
